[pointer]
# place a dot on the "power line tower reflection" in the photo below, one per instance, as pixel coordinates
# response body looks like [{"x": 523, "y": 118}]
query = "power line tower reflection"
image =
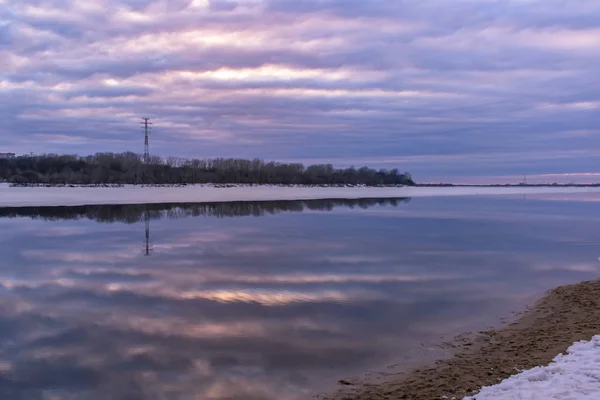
[{"x": 148, "y": 247}]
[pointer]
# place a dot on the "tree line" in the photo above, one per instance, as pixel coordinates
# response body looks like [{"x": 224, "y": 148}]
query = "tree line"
[
  {"x": 135, "y": 213},
  {"x": 130, "y": 168}
]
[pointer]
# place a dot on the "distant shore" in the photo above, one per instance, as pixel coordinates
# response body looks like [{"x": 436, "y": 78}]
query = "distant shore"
[
  {"x": 228, "y": 185},
  {"x": 510, "y": 185},
  {"x": 565, "y": 315},
  {"x": 73, "y": 195}
]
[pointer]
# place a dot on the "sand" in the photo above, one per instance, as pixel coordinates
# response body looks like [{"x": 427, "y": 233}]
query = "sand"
[{"x": 565, "y": 315}]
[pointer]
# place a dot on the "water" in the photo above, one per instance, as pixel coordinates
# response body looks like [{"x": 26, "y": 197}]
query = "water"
[{"x": 266, "y": 300}]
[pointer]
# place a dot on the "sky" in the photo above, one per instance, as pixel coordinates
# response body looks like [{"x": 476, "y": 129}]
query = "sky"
[{"x": 466, "y": 91}]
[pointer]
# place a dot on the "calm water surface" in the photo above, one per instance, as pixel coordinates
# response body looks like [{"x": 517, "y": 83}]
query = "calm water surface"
[{"x": 265, "y": 300}]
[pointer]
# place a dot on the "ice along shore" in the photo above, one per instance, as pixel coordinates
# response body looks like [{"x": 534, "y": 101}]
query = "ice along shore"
[{"x": 81, "y": 195}]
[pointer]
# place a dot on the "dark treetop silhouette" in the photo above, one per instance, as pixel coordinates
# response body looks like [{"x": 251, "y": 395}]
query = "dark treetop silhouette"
[{"x": 130, "y": 168}]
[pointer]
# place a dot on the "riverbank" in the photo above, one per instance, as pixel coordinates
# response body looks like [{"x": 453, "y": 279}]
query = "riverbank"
[
  {"x": 565, "y": 315},
  {"x": 130, "y": 194}
]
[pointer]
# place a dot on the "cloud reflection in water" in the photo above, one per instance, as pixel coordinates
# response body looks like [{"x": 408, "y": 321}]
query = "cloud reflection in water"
[{"x": 274, "y": 307}]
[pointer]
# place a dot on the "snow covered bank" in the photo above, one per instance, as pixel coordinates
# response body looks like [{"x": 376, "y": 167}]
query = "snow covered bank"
[
  {"x": 572, "y": 376},
  {"x": 66, "y": 196}
]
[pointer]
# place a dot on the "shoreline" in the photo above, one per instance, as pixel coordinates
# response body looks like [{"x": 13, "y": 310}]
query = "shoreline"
[
  {"x": 563, "y": 316},
  {"x": 129, "y": 194}
]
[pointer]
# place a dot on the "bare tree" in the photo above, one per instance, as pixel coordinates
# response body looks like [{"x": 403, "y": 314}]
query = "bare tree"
[{"x": 130, "y": 168}]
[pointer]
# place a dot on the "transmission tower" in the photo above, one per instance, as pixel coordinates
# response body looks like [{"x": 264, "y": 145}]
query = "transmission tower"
[{"x": 147, "y": 125}]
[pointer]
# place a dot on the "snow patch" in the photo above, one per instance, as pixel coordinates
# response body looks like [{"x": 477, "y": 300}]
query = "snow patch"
[
  {"x": 130, "y": 194},
  {"x": 571, "y": 376}
]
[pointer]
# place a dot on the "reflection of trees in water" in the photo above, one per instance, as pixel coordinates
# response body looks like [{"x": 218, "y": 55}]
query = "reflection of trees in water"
[{"x": 130, "y": 214}]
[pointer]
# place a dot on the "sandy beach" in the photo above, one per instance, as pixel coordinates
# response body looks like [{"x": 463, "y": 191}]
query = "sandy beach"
[{"x": 563, "y": 316}]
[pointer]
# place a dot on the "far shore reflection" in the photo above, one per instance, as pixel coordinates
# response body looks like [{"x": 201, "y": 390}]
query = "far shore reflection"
[{"x": 140, "y": 212}]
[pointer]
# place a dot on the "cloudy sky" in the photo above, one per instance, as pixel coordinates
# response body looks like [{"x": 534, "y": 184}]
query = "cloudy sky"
[{"x": 452, "y": 90}]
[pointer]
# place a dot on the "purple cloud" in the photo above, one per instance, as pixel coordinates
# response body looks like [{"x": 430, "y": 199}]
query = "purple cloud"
[{"x": 348, "y": 81}]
